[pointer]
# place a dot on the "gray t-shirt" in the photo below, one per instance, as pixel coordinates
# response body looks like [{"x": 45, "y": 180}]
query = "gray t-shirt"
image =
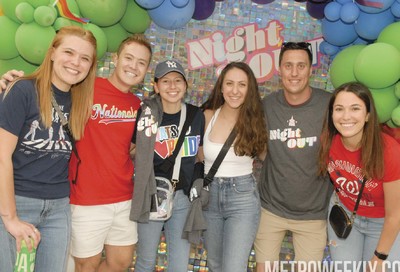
[{"x": 289, "y": 185}]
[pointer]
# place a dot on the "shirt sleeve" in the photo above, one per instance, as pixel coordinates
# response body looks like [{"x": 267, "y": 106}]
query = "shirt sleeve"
[
  {"x": 15, "y": 106},
  {"x": 391, "y": 159}
]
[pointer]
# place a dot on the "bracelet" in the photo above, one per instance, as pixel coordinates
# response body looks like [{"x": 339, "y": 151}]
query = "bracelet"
[{"x": 381, "y": 256}]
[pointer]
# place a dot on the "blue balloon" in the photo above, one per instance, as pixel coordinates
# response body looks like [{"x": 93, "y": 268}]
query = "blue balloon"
[
  {"x": 369, "y": 25},
  {"x": 179, "y": 3},
  {"x": 170, "y": 17},
  {"x": 361, "y": 41},
  {"x": 149, "y": 4},
  {"x": 395, "y": 9},
  {"x": 342, "y": 2},
  {"x": 332, "y": 11},
  {"x": 374, "y": 6},
  {"x": 328, "y": 49},
  {"x": 349, "y": 13},
  {"x": 338, "y": 33}
]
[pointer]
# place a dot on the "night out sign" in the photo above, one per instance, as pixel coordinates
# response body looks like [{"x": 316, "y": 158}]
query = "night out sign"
[{"x": 259, "y": 48}]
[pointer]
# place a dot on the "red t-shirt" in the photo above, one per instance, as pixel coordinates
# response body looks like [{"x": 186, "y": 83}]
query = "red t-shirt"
[
  {"x": 346, "y": 173},
  {"x": 106, "y": 169}
]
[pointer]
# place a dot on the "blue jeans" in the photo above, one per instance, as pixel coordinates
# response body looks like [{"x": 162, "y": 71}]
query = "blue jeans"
[
  {"x": 177, "y": 248},
  {"x": 362, "y": 240},
  {"x": 53, "y": 219},
  {"x": 233, "y": 215}
]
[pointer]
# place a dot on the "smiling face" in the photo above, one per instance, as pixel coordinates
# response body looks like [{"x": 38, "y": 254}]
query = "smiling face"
[
  {"x": 349, "y": 116},
  {"x": 130, "y": 66},
  {"x": 234, "y": 88},
  {"x": 295, "y": 71},
  {"x": 172, "y": 88},
  {"x": 72, "y": 60}
]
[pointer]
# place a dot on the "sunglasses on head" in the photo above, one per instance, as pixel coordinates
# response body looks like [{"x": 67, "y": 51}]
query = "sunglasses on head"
[{"x": 297, "y": 45}]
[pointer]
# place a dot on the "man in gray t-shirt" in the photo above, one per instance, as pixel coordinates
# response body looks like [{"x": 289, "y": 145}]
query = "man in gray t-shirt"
[{"x": 292, "y": 196}]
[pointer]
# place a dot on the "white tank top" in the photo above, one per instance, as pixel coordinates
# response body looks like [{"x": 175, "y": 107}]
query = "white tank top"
[{"x": 232, "y": 165}]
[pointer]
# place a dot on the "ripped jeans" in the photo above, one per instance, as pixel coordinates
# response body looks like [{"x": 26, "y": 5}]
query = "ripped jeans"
[{"x": 362, "y": 241}]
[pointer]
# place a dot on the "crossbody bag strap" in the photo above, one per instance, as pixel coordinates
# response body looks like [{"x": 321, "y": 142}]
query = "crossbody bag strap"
[
  {"x": 353, "y": 215},
  {"x": 65, "y": 126},
  {"x": 188, "y": 118},
  {"x": 60, "y": 114},
  {"x": 177, "y": 164},
  {"x": 221, "y": 155}
]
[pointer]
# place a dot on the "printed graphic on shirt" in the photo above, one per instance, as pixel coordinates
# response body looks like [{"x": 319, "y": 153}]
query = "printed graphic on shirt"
[
  {"x": 166, "y": 139},
  {"x": 292, "y": 135},
  {"x": 108, "y": 114},
  {"x": 39, "y": 139},
  {"x": 147, "y": 124},
  {"x": 348, "y": 178}
]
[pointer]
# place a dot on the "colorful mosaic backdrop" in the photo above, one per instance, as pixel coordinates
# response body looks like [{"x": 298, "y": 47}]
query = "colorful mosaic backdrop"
[{"x": 229, "y": 14}]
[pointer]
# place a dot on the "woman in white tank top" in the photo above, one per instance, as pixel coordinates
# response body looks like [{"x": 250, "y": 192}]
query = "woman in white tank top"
[{"x": 234, "y": 207}]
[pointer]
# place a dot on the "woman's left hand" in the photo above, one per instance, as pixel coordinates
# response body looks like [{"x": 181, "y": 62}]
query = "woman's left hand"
[{"x": 375, "y": 265}]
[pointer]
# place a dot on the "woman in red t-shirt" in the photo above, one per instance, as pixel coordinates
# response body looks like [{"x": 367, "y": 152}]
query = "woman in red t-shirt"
[{"x": 353, "y": 149}]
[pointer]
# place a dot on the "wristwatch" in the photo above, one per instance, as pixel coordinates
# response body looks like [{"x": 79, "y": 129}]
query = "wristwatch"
[{"x": 380, "y": 256}]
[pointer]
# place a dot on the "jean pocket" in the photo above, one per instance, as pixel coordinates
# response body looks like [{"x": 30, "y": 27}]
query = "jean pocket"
[{"x": 244, "y": 186}]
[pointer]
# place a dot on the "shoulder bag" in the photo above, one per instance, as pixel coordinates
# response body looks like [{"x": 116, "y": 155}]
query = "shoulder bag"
[{"x": 340, "y": 222}]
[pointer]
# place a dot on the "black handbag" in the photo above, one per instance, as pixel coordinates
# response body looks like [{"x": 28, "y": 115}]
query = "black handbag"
[{"x": 340, "y": 222}]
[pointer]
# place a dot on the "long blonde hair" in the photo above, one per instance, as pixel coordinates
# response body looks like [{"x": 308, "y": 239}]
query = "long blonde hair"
[{"x": 81, "y": 92}]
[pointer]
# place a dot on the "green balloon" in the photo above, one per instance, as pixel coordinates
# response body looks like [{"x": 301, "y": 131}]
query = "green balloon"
[
  {"x": 33, "y": 41},
  {"x": 103, "y": 12},
  {"x": 101, "y": 39},
  {"x": 397, "y": 90},
  {"x": 136, "y": 19},
  {"x": 115, "y": 35},
  {"x": 17, "y": 63},
  {"x": 385, "y": 102},
  {"x": 8, "y": 49},
  {"x": 390, "y": 35},
  {"x": 61, "y": 22},
  {"x": 391, "y": 124},
  {"x": 38, "y": 3},
  {"x": 44, "y": 16},
  {"x": 24, "y": 12},
  {"x": 396, "y": 116},
  {"x": 378, "y": 65},
  {"x": 341, "y": 70},
  {"x": 8, "y": 7}
]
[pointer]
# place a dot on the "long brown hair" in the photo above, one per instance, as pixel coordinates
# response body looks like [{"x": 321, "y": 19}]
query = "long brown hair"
[
  {"x": 81, "y": 92},
  {"x": 371, "y": 142},
  {"x": 251, "y": 139}
]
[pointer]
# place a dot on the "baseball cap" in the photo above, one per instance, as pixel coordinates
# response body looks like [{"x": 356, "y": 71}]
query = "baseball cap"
[{"x": 168, "y": 66}]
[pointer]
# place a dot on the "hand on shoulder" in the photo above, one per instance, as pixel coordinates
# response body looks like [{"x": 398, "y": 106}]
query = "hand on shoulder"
[{"x": 8, "y": 77}]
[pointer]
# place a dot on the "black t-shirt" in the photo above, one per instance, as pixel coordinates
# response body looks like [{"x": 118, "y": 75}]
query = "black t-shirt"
[{"x": 167, "y": 136}]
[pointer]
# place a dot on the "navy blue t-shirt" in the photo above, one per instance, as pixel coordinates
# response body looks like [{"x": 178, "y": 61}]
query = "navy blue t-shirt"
[{"x": 40, "y": 159}]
